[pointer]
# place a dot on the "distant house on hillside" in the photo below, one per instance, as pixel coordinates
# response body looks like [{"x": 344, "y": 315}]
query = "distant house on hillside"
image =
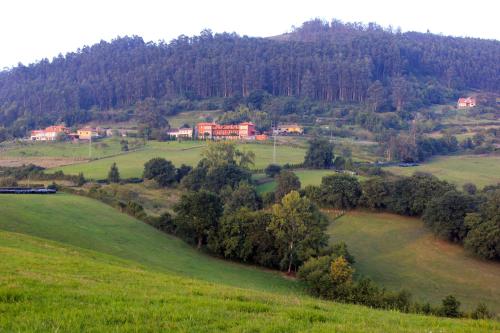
[
  {"x": 290, "y": 129},
  {"x": 464, "y": 103},
  {"x": 87, "y": 133},
  {"x": 50, "y": 133},
  {"x": 185, "y": 133}
]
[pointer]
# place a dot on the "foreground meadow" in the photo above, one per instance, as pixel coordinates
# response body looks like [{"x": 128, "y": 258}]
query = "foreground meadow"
[{"x": 72, "y": 264}]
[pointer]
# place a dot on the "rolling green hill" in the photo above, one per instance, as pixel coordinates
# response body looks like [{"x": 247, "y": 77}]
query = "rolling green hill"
[
  {"x": 73, "y": 264},
  {"x": 48, "y": 287},
  {"x": 89, "y": 224},
  {"x": 398, "y": 252}
]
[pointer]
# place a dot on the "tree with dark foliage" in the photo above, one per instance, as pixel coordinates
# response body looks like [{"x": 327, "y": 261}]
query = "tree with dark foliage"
[
  {"x": 198, "y": 214},
  {"x": 114, "y": 174},
  {"x": 160, "y": 170},
  {"x": 340, "y": 191},
  {"x": 286, "y": 181},
  {"x": 445, "y": 215},
  {"x": 319, "y": 155}
]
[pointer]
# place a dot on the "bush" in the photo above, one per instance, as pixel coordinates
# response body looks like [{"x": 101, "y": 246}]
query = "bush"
[
  {"x": 481, "y": 312},
  {"x": 450, "y": 307},
  {"x": 160, "y": 170},
  {"x": 272, "y": 170}
]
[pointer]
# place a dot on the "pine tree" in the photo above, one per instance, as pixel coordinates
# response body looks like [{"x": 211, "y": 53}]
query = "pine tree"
[{"x": 114, "y": 174}]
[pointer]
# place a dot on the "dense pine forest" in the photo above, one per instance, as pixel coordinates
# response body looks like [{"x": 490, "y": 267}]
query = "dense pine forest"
[{"x": 381, "y": 68}]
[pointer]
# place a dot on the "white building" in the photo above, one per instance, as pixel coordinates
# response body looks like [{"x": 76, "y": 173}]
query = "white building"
[{"x": 186, "y": 133}]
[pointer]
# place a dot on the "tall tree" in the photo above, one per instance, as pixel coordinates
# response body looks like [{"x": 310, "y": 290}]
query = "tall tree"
[
  {"x": 319, "y": 155},
  {"x": 114, "y": 174},
  {"x": 298, "y": 227},
  {"x": 198, "y": 214}
]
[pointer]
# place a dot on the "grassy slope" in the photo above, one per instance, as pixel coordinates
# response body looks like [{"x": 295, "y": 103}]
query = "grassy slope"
[
  {"x": 480, "y": 170},
  {"x": 398, "y": 252},
  {"x": 192, "y": 117},
  {"x": 45, "y": 286},
  {"x": 132, "y": 164},
  {"x": 307, "y": 177},
  {"x": 92, "y": 225}
]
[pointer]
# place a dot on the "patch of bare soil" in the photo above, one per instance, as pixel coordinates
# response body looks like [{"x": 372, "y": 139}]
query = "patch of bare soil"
[{"x": 45, "y": 162}]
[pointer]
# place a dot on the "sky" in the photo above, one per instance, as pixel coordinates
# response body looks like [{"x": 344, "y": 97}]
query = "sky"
[{"x": 31, "y": 30}]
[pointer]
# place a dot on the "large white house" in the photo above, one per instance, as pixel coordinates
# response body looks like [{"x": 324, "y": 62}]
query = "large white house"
[
  {"x": 50, "y": 133},
  {"x": 186, "y": 133}
]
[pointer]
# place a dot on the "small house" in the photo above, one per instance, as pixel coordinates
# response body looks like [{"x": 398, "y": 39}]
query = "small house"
[{"x": 464, "y": 103}]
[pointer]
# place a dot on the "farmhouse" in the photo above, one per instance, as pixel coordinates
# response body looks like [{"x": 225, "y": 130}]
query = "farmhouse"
[
  {"x": 290, "y": 129},
  {"x": 185, "y": 133},
  {"x": 50, "y": 133},
  {"x": 87, "y": 133},
  {"x": 245, "y": 131},
  {"x": 468, "y": 102}
]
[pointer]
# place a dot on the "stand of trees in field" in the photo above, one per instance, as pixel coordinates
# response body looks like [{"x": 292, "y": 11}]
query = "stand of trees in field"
[{"x": 319, "y": 61}]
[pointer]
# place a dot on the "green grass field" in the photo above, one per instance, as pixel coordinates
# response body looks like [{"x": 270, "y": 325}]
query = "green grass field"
[
  {"x": 306, "y": 177},
  {"x": 478, "y": 169},
  {"x": 398, "y": 252},
  {"x": 73, "y": 264},
  {"x": 99, "y": 149},
  {"x": 192, "y": 117},
  {"x": 187, "y": 152}
]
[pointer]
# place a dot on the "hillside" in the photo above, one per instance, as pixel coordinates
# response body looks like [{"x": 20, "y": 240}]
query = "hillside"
[
  {"x": 399, "y": 252},
  {"x": 50, "y": 286},
  {"x": 383, "y": 68}
]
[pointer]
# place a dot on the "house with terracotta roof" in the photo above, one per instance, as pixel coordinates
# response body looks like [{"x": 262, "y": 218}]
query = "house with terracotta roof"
[{"x": 468, "y": 102}]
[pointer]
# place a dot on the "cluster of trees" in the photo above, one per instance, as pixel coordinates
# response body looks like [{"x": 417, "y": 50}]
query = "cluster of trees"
[
  {"x": 320, "y": 155},
  {"x": 222, "y": 212},
  {"x": 413, "y": 148},
  {"x": 330, "y": 61}
]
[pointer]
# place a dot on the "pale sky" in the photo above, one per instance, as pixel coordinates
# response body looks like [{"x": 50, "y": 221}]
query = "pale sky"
[{"x": 31, "y": 30}]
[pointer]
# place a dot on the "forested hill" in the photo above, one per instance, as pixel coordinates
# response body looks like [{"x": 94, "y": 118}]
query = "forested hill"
[{"x": 325, "y": 61}]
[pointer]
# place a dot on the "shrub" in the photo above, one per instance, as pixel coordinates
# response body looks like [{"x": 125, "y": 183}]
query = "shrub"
[
  {"x": 272, "y": 170},
  {"x": 160, "y": 170}
]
